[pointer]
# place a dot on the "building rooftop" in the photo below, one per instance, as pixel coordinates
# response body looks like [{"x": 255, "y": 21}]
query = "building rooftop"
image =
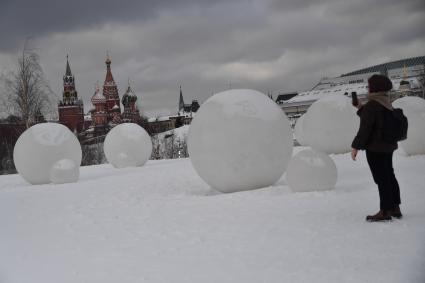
[{"x": 382, "y": 68}]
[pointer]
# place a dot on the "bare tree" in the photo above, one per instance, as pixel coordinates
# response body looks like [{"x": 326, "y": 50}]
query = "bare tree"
[
  {"x": 93, "y": 154},
  {"x": 27, "y": 90},
  {"x": 169, "y": 146},
  {"x": 156, "y": 148}
]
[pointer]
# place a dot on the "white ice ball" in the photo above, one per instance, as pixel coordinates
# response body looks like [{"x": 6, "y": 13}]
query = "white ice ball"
[
  {"x": 415, "y": 142},
  {"x": 64, "y": 171},
  {"x": 330, "y": 124},
  {"x": 240, "y": 140},
  {"x": 410, "y": 105},
  {"x": 299, "y": 132},
  {"x": 127, "y": 145},
  {"x": 311, "y": 170},
  {"x": 40, "y": 148}
]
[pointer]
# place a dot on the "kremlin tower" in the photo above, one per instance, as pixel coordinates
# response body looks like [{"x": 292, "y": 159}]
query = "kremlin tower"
[{"x": 70, "y": 108}]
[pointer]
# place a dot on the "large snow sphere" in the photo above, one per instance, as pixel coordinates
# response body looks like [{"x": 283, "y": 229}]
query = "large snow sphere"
[
  {"x": 127, "y": 145},
  {"x": 310, "y": 170},
  {"x": 410, "y": 105},
  {"x": 330, "y": 124},
  {"x": 240, "y": 140},
  {"x": 64, "y": 171},
  {"x": 299, "y": 131},
  {"x": 40, "y": 148},
  {"x": 415, "y": 142}
]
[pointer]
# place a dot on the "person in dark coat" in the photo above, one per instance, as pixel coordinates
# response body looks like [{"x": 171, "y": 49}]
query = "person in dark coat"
[{"x": 379, "y": 154}]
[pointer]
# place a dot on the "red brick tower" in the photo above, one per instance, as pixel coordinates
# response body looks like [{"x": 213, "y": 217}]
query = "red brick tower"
[
  {"x": 131, "y": 113},
  {"x": 99, "y": 115},
  {"x": 110, "y": 91},
  {"x": 71, "y": 108}
]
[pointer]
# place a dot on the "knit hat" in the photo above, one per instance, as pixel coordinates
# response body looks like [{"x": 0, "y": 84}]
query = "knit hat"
[{"x": 379, "y": 83}]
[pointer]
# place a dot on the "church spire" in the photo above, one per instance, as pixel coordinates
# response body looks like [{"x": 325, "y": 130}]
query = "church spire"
[
  {"x": 181, "y": 101},
  {"x": 108, "y": 59},
  {"x": 109, "y": 77},
  {"x": 69, "y": 93},
  {"x": 68, "y": 69}
]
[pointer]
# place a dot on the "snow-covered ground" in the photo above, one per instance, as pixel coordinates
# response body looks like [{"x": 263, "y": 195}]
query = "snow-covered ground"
[{"x": 162, "y": 223}]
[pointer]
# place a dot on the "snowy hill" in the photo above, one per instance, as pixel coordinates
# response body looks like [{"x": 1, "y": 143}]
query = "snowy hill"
[{"x": 162, "y": 223}]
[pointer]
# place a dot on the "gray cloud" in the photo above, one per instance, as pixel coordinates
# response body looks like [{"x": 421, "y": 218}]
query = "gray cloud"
[
  {"x": 21, "y": 18},
  {"x": 205, "y": 45}
]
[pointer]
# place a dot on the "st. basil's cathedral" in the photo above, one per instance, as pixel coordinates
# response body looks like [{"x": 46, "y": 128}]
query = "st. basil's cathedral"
[{"x": 106, "y": 111}]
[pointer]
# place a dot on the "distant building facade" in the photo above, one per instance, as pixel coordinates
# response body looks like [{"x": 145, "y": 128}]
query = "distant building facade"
[
  {"x": 184, "y": 116},
  {"x": 187, "y": 109},
  {"x": 99, "y": 114}
]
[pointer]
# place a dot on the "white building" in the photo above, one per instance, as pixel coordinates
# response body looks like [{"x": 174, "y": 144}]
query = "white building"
[{"x": 406, "y": 75}]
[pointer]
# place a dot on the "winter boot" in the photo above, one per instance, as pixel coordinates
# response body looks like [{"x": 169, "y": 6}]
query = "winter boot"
[
  {"x": 396, "y": 212},
  {"x": 382, "y": 215}
]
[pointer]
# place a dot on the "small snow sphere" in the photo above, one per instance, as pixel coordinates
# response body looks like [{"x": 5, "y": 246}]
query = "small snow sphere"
[
  {"x": 39, "y": 151},
  {"x": 330, "y": 124},
  {"x": 415, "y": 142},
  {"x": 410, "y": 105},
  {"x": 127, "y": 145},
  {"x": 310, "y": 170},
  {"x": 240, "y": 140},
  {"x": 64, "y": 171},
  {"x": 299, "y": 133}
]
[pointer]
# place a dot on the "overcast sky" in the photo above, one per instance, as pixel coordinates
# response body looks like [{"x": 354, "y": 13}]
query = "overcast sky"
[{"x": 208, "y": 45}]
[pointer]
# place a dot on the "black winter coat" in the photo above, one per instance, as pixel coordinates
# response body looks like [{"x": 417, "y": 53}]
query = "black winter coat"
[{"x": 369, "y": 136}]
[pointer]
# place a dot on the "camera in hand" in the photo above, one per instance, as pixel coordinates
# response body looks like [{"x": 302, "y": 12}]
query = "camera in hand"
[{"x": 354, "y": 99}]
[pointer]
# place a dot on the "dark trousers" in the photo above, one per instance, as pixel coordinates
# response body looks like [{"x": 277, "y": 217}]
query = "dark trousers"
[{"x": 381, "y": 166}]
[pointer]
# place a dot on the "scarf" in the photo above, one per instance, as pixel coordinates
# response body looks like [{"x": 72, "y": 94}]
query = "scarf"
[{"x": 380, "y": 97}]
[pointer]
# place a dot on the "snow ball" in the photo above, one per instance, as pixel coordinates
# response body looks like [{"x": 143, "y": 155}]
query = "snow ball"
[
  {"x": 39, "y": 149},
  {"x": 330, "y": 124},
  {"x": 410, "y": 105},
  {"x": 64, "y": 171},
  {"x": 311, "y": 170},
  {"x": 127, "y": 145},
  {"x": 240, "y": 140},
  {"x": 299, "y": 133},
  {"x": 415, "y": 142},
  {"x": 414, "y": 109}
]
